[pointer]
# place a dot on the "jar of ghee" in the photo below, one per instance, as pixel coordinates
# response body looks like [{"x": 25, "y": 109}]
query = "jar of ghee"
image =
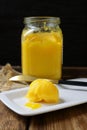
[{"x": 41, "y": 47}]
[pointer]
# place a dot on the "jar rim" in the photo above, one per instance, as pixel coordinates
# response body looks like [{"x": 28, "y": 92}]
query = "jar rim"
[{"x": 28, "y": 20}]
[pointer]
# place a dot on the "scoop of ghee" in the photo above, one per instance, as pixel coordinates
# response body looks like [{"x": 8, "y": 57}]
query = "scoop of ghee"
[{"x": 43, "y": 90}]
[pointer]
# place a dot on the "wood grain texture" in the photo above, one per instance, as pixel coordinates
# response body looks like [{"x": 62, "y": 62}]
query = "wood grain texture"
[
  {"x": 10, "y": 120},
  {"x": 74, "y": 72},
  {"x": 74, "y": 118}
]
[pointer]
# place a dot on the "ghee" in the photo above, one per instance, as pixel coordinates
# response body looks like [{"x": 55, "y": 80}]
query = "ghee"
[
  {"x": 42, "y": 43},
  {"x": 41, "y": 91},
  {"x": 33, "y": 105}
]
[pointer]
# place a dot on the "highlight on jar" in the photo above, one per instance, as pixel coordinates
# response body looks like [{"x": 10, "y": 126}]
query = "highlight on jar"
[{"x": 41, "y": 47}]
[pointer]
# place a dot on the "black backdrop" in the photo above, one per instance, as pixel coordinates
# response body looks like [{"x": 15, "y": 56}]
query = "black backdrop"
[{"x": 73, "y": 23}]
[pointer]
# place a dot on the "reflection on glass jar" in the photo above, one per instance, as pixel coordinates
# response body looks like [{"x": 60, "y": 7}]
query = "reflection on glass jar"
[{"x": 41, "y": 47}]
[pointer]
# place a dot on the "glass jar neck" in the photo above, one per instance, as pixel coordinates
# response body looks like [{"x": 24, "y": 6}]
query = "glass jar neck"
[{"x": 42, "y": 22}]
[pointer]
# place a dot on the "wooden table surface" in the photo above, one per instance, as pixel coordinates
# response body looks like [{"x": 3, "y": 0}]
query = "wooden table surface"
[{"x": 73, "y": 118}]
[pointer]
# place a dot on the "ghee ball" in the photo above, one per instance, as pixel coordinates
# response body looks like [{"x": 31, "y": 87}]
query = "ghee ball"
[{"x": 43, "y": 90}]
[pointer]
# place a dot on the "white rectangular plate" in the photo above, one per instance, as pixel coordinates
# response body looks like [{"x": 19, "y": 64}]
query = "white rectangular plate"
[{"x": 15, "y": 100}]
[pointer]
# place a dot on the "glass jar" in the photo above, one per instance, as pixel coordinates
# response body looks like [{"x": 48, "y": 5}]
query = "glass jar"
[{"x": 41, "y": 47}]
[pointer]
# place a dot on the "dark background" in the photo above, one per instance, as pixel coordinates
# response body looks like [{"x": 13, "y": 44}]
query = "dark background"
[{"x": 73, "y": 23}]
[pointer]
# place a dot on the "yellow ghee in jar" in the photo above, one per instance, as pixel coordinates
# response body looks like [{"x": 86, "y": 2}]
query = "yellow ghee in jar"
[{"x": 42, "y": 54}]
